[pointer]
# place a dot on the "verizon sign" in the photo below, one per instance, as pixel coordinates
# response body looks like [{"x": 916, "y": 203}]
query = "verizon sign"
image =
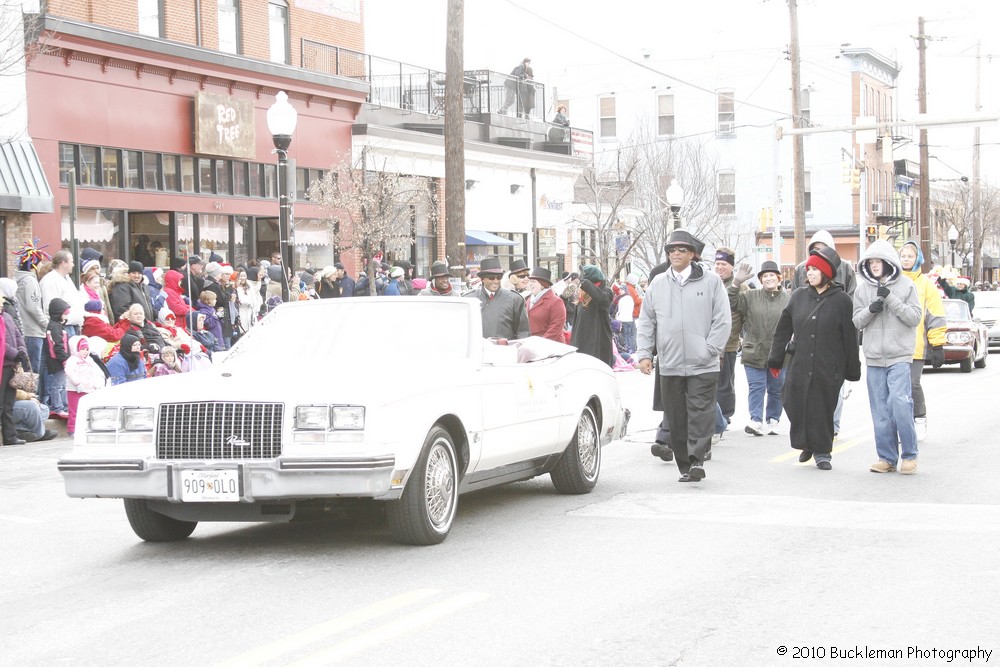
[{"x": 224, "y": 126}]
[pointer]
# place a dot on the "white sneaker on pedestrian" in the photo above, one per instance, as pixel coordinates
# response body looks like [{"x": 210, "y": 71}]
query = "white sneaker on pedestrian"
[
  {"x": 754, "y": 428},
  {"x": 920, "y": 424},
  {"x": 772, "y": 427},
  {"x": 716, "y": 439}
]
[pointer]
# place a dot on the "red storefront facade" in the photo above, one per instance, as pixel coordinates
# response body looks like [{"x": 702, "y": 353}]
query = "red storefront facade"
[{"x": 119, "y": 108}]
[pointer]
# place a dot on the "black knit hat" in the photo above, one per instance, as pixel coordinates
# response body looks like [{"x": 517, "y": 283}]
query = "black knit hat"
[
  {"x": 135, "y": 267},
  {"x": 177, "y": 263}
]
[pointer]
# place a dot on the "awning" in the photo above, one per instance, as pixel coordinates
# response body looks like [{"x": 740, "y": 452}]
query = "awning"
[
  {"x": 312, "y": 232},
  {"x": 474, "y": 237},
  {"x": 91, "y": 226},
  {"x": 22, "y": 182}
]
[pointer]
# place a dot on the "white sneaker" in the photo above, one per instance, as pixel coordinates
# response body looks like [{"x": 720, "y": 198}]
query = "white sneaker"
[
  {"x": 754, "y": 428},
  {"x": 716, "y": 438},
  {"x": 920, "y": 424},
  {"x": 772, "y": 427}
]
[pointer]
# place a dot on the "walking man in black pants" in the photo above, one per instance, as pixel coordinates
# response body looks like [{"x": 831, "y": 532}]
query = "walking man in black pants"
[{"x": 686, "y": 316}]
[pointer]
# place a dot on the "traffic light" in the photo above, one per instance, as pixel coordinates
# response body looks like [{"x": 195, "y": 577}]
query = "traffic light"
[
  {"x": 856, "y": 179},
  {"x": 766, "y": 218},
  {"x": 872, "y": 232},
  {"x": 845, "y": 172}
]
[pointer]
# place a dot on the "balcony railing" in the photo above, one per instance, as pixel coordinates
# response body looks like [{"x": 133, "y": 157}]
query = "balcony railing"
[
  {"x": 402, "y": 86},
  {"x": 896, "y": 208}
]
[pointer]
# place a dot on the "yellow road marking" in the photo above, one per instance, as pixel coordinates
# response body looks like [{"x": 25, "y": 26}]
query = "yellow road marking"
[
  {"x": 843, "y": 445},
  {"x": 264, "y": 654},
  {"x": 388, "y": 631}
]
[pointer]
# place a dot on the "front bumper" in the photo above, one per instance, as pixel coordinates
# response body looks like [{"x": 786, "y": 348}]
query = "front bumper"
[
  {"x": 279, "y": 479},
  {"x": 956, "y": 353}
]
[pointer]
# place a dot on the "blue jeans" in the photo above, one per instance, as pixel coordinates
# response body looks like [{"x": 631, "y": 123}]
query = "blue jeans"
[
  {"x": 628, "y": 333},
  {"x": 892, "y": 412},
  {"x": 762, "y": 383},
  {"x": 56, "y": 392},
  {"x": 720, "y": 420},
  {"x": 35, "y": 346}
]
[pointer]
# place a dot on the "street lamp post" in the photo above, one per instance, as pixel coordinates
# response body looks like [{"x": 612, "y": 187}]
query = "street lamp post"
[
  {"x": 952, "y": 239},
  {"x": 675, "y": 198},
  {"x": 281, "y": 120}
]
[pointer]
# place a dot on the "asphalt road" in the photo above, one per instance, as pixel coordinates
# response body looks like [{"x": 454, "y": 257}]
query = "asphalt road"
[{"x": 764, "y": 560}]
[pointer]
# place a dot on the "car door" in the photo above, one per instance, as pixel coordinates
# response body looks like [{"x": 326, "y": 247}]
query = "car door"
[{"x": 520, "y": 414}]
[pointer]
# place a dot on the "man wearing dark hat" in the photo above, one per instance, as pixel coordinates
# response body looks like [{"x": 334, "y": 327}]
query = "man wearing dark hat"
[
  {"x": 124, "y": 294},
  {"x": 546, "y": 311},
  {"x": 346, "y": 282},
  {"x": 192, "y": 283},
  {"x": 504, "y": 315},
  {"x": 685, "y": 316},
  {"x": 440, "y": 282},
  {"x": 759, "y": 310},
  {"x": 725, "y": 262}
]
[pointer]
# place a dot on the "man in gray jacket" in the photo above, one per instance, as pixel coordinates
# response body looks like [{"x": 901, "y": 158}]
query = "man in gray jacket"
[
  {"x": 887, "y": 311},
  {"x": 685, "y": 315},
  {"x": 503, "y": 311},
  {"x": 34, "y": 318}
]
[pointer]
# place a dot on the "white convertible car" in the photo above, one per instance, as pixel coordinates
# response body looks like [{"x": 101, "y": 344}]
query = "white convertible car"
[{"x": 397, "y": 399}]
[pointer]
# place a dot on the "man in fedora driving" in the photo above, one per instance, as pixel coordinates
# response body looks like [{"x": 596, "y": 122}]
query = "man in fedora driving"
[{"x": 504, "y": 315}]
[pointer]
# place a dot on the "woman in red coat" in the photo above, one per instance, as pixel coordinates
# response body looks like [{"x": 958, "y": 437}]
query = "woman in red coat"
[{"x": 546, "y": 311}]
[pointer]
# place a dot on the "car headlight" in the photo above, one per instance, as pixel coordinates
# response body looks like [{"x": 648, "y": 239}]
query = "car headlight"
[
  {"x": 348, "y": 418},
  {"x": 103, "y": 419},
  {"x": 959, "y": 337},
  {"x": 312, "y": 417},
  {"x": 137, "y": 419}
]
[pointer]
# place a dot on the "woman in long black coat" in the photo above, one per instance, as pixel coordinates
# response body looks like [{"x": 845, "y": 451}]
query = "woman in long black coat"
[
  {"x": 592, "y": 323},
  {"x": 819, "y": 316}
]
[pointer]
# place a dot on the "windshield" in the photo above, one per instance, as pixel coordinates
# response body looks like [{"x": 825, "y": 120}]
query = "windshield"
[
  {"x": 956, "y": 310},
  {"x": 379, "y": 333}
]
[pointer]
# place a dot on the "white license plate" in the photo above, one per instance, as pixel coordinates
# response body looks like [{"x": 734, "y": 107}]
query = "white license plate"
[{"x": 210, "y": 486}]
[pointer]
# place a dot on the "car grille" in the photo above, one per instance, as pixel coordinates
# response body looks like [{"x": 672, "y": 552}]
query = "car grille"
[{"x": 219, "y": 430}]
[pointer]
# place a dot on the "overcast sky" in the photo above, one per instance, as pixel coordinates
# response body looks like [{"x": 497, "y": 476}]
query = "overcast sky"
[{"x": 559, "y": 34}]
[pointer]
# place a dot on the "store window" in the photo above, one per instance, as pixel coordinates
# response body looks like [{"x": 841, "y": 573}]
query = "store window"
[
  {"x": 241, "y": 240},
  {"x": 240, "y": 185},
  {"x": 424, "y": 242},
  {"x": 256, "y": 178},
  {"x": 149, "y": 238},
  {"x": 205, "y": 176},
  {"x": 184, "y": 234},
  {"x": 223, "y": 177},
  {"x": 93, "y": 228},
  {"x": 270, "y": 181},
  {"x": 213, "y": 234},
  {"x": 314, "y": 243},
  {"x": 67, "y": 161}
]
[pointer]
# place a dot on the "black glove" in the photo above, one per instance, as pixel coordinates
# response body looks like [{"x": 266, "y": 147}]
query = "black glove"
[
  {"x": 877, "y": 306},
  {"x": 882, "y": 292},
  {"x": 937, "y": 356},
  {"x": 22, "y": 356}
]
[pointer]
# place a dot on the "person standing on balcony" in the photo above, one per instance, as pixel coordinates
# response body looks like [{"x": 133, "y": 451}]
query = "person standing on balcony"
[
  {"x": 526, "y": 100},
  {"x": 511, "y": 85}
]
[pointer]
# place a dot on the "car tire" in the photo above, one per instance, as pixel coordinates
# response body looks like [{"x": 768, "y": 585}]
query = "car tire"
[
  {"x": 580, "y": 465},
  {"x": 965, "y": 365},
  {"x": 423, "y": 515},
  {"x": 153, "y": 526},
  {"x": 981, "y": 363}
]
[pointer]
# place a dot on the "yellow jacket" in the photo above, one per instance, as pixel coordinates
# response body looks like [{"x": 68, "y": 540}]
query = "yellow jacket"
[{"x": 932, "y": 320}]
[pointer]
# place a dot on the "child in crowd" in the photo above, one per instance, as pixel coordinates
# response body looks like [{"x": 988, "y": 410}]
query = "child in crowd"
[
  {"x": 167, "y": 364},
  {"x": 83, "y": 376},
  {"x": 196, "y": 326},
  {"x": 206, "y": 306},
  {"x": 57, "y": 352},
  {"x": 128, "y": 364}
]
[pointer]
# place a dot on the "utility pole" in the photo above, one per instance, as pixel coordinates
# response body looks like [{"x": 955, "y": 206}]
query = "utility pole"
[
  {"x": 454, "y": 140},
  {"x": 977, "y": 193},
  {"x": 925, "y": 182},
  {"x": 798, "y": 164}
]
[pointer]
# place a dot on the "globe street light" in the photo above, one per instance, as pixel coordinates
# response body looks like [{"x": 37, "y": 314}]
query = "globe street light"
[
  {"x": 675, "y": 198},
  {"x": 281, "y": 120},
  {"x": 952, "y": 239}
]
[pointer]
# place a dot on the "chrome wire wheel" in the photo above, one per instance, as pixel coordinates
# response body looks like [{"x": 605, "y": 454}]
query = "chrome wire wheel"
[
  {"x": 439, "y": 484},
  {"x": 588, "y": 446}
]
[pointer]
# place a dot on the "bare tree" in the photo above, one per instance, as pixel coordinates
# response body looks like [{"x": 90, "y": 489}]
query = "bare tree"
[
  {"x": 956, "y": 205},
  {"x": 659, "y": 161},
  {"x": 606, "y": 236},
  {"x": 371, "y": 209}
]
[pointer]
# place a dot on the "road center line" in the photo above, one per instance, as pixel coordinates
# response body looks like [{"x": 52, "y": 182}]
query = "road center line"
[
  {"x": 263, "y": 654},
  {"x": 376, "y": 636},
  {"x": 844, "y": 445}
]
